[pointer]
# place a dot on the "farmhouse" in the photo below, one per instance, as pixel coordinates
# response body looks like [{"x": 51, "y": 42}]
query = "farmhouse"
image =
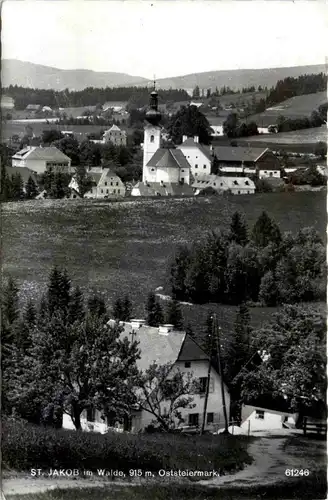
[
  {"x": 221, "y": 184},
  {"x": 106, "y": 184},
  {"x": 40, "y": 159},
  {"x": 7, "y": 102},
  {"x": 33, "y": 108},
  {"x": 165, "y": 345},
  {"x": 115, "y": 136},
  {"x": 245, "y": 160}
]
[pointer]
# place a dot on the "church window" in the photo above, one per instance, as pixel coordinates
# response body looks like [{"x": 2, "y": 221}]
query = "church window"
[{"x": 152, "y": 138}]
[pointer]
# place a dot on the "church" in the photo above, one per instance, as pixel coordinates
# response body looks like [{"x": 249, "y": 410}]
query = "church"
[{"x": 165, "y": 172}]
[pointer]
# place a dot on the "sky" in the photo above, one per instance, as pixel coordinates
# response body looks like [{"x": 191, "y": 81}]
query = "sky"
[{"x": 165, "y": 37}]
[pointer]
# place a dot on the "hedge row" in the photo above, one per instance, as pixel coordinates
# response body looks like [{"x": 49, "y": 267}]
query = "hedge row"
[{"x": 25, "y": 446}]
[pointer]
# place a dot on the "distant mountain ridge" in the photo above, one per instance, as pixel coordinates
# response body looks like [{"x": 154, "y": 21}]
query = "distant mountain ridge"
[
  {"x": 32, "y": 75},
  {"x": 26, "y": 74}
]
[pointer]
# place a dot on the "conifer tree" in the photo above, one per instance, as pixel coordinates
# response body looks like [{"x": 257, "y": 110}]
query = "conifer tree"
[
  {"x": 174, "y": 315},
  {"x": 76, "y": 305},
  {"x": 31, "y": 189},
  {"x": 96, "y": 306},
  {"x": 154, "y": 311},
  {"x": 17, "y": 187},
  {"x": 122, "y": 310},
  {"x": 238, "y": 229},
  {"x": 265, "y": 230},
  {"x": 58, "y": 294}
]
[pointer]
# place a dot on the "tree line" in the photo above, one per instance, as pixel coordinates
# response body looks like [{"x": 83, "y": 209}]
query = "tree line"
[
  {"x": 88, "y": 97},
  {"x": 258, "y": 266}
]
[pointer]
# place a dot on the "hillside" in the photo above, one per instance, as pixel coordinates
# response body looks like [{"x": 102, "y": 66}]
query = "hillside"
[
  {"x": 237, "y": 79},
  {"x": 296, "y": 107},
  {"x": 31, "y": 75}
]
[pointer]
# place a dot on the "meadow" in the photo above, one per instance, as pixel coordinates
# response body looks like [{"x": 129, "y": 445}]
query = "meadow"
[
  {"x": 125, "y": 247},
  {"x": 309, "y": 135}
]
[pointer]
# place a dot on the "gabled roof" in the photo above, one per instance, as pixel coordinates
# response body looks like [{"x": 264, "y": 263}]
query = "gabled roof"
[
  {"x": 190, "y": 143},
  {"x": 36, "y": 153},
  {"x": 114, "y": 128},
  {"x": 191, "y": 351},
  {"x": 166, "y": 189},
  {"x": 222, "y": 182},
  {"x": 238, "y": 154},
  {"x": 168, "y": 158},
  {"x": 153, "y": 346}
]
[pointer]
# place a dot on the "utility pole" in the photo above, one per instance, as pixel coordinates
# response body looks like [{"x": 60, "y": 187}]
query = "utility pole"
[
  {"x": 218, "y": 351},
  {"x": 208, "y": 380}
]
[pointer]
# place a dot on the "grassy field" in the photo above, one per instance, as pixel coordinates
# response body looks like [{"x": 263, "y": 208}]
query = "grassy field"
[
  {"x": 124, "y": 247},
  {"x": 309, "y": 135}
]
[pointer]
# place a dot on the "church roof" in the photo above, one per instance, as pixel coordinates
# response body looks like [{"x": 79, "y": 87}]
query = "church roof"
[
  {"x": 165, "y": 189},
  {"x": 164, "y": 157}
]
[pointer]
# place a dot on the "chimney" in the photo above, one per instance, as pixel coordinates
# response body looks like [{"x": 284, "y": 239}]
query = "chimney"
[
  {"x": 184, "y": 138},
  {"x": 165, "y": 329},
  {"x": 196, "y": 138},
  {"x": 137, "y": 323}
]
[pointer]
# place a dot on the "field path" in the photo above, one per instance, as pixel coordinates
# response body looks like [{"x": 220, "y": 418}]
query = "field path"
[{"x": 272, "y": 455}]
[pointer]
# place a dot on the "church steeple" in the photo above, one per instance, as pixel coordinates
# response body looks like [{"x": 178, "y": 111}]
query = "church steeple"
[{"x": 153, "y": 116}]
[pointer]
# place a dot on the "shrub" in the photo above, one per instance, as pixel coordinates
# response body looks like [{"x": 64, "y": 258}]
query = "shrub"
[{"x": 25, "y": 446}]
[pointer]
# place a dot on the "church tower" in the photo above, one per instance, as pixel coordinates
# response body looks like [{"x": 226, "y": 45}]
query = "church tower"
[{"x": 152, "y": 135}]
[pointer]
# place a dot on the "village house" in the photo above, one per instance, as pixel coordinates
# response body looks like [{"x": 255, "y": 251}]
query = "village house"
[
  {"x": 39, "y": 159},
  {"x": 165, "y": 345},
  {"x": 7, "y": 103},
  {"x": 106, "y": 184},
  {"x": 115, "y": 136},
  {"x": 198, "y": 156},
  {"x": 246, "y": 160},
  {"x": 213, "y": 183}
]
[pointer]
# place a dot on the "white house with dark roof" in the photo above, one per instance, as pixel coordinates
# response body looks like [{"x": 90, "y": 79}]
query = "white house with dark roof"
[
  {"x": 40, "y": 159},
  {"x": 164, "y": 345},
  {"x": 198, "y": 156},
  {"x": 106, "y": 184},
  {"x": 234, "y": 185}
]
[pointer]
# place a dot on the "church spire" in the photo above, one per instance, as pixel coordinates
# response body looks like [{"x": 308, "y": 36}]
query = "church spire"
[{"x": 153, "y": 116}]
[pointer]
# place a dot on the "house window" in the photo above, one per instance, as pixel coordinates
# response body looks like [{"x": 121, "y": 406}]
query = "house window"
[
  {"x": 196, "y": 166},
  {"x": 196, "y": 174},
  {"x": 111, "y": 183},
  {"x": 204, "y": 166},
  {"x": 118, "y": 191},
  {"x": 238, "y": 192},
  {"x": 202, "y": 384},
  {"x": 221, "y": 184},
  {"x": 193, "y": 419},
  {"x": 152, "y": 169},
  {"x": 117, "y": 184},
  {"x": 152, "y": 138},
  {"x": 259, "y": 414},
  {"x": 114, "y": 191},
  {"x": 275, "y": 172},
  {"x": 91, "y": 414},
  {"x": 214, "y": 184},
  {"x": 210, "y": 418},
  {"x": 105, "y": 183},
  {"x": 182, "y": 171},
  {"x": 187, "y": 364},
  {"x": 107, "y": 191},
  {"x": 271, "y": 174},
  {"x": 265, "y": 172},
  {"x": 101, "y": 191}
]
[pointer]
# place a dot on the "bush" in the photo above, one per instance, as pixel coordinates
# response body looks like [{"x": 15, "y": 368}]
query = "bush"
[{"x": 25, "y": 446}]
